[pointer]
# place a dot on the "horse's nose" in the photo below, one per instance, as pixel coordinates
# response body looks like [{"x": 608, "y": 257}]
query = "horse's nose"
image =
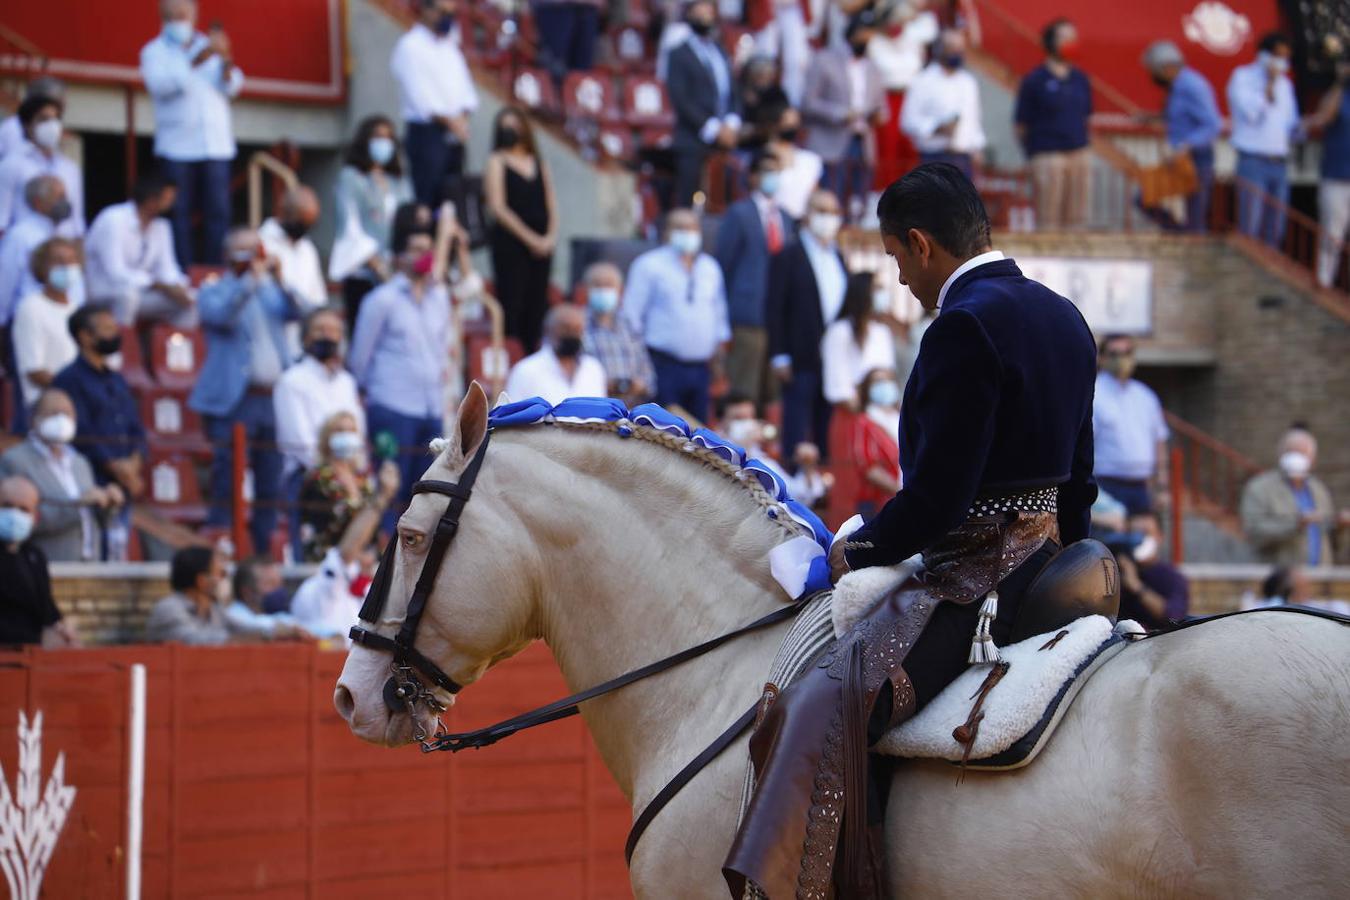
[{"x": 345, "y": 703}]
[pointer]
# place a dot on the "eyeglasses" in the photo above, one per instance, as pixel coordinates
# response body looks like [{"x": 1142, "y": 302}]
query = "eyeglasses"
[{"x": 1118, "y": 354}]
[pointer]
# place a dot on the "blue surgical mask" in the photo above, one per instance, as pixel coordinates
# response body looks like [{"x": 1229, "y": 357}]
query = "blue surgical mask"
[
  {"x": 15, "y": 525},
  {"x": 179, "y": 31},
  {"x": 884, "y": 393},
  {"x": 65, "y": 278},
  {"x": 603, "y": 299},
  {"x": 687, "y": 242},
  {"x": 769, "y": 182},
  {"x": 381, "y": 150},
  {"x": 345, "y": 444}
]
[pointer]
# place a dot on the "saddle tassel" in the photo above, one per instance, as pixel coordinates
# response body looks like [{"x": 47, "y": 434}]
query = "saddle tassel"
[{"x": 983, "y": 651}]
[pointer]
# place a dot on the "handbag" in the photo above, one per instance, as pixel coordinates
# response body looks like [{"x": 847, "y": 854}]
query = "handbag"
[{"x": 1175, "y": 177}]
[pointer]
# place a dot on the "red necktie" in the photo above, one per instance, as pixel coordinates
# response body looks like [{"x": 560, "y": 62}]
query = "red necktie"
[{"x": 774, "y": 232}]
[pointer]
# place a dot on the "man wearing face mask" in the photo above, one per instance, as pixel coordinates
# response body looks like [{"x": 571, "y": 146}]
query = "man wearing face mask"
[
  {"x": 285, "y": 237},
  {"x": 191, "y": 78},
  {"x": 243, "y": 315},
  {"x": 40, "y": 154},
  {"x": 312, "y": 390},
  {"x": 844, "y": 100},
  {"x": 68, "y": 527},
  {"x": 559, "y": 369},
  {"x": 28, "y": 613},
  {"x": 1287, "y": 512},
  {"x": 131, "y": 259},
  {"x": 400, "y": 351},
  {"x": 753, "y": 231},
  {"x": 699, "y": 82},
  {"x": 42, "y": 342},
  {"x": 676, "y": 299},
  {"x": 1265, "y": 116},
  {"x": 942, "y": 112},
  {"x": 806, "y": 295},
  {"x": 1191, "y": 115},
  {"x": 11, "y": 130},
  {"x": 1129, "y": 428},
  {"x": 610, "y": 337},
  {"x": 194, "y": 613},
  {"x": 437, "y": 95},
  {"x": 1054, "y": 103}
]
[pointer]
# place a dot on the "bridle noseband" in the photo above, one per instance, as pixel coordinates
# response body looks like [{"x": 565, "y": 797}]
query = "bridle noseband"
[{"x": 404, "y": 690}]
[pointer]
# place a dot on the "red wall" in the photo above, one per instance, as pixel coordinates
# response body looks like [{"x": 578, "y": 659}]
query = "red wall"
[
  {"x": 255, "y": 786},
  {"x": 291, "y": 49}
]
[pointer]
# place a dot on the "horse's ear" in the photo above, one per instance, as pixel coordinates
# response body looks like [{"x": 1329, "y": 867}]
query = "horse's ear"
[{"x": 473, "y": 420}]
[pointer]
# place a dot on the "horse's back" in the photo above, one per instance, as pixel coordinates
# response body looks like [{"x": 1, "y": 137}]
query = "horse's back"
[{"x": 1207, "y": 762}]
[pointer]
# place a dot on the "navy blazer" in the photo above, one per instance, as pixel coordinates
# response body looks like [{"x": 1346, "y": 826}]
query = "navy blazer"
[
  {"x": 743, "y": 250},
  {"x": 792, "y": 309},
  {"x": 1000, "y": 400},
  {"x": 693, "y": 94}
]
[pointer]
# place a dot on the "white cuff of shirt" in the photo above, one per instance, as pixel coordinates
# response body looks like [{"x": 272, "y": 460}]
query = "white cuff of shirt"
[
  {"x": 780, "y": 361},
  {"x": 708, "y": 133},
  {"x": 733, "y": 120}
]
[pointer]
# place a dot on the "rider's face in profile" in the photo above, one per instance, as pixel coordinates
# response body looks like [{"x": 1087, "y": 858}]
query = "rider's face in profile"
[{"x": 914, "y": 259}]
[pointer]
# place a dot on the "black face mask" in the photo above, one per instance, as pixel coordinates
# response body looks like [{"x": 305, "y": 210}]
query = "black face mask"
[
  {"x": 1161, "y": 82},
  {"x": 507, "y": 137},
  {"x": 108, "y": 346},
  {"x": 60, "y": 211},
  {"x": 295, "y": 230},
  {"x": 789, "y": 135},
  {"x": 568, "y": 347},
  {"x": 445, "y": 24},
  {"x": 701, "y": 27},
  {"x": 322, "y": 349},
  {"x": 859, "y": 49}
]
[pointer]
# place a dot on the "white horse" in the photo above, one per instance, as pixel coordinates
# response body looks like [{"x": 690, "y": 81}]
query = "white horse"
[{"x": 1212, "y": 762}]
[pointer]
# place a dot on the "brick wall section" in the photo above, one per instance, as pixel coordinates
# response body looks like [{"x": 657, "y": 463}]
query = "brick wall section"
[{"x": 1277, "y": 356}]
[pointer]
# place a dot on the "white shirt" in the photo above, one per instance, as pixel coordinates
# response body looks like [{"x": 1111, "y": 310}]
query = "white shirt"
[
  {"x": 42, "y": 342},
  {"x": 844, "y": 363},
  {"x": 16, "y": 254},
  {"x": 991, "y": 256},
  {"x": 192, "y": 103},
  {"x": 324, "y": 605},
  {"x": 433, "y": 79},
  {"x": 27, "y": 162},
  {"x": 307, "y": 395},
  {"x": 857, "y": 84},
  {"x": 541, "y": 375},
  {"x": 63, "y": 468},
  {"x": 120, "y": 256},
  {"x": 797, "y": 181},
  {"x": 11, "y": 135},
  {"x": 1260, "y": 126},
  {"x": 301, "y": 273},
  {"x": 934, "y": 99},
  {"x": 900, "y": 59},
  {"x": 831, "y": 279}
]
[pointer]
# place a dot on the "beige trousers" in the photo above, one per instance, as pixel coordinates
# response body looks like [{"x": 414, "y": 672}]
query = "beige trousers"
[{"x": 1063, "y": 183}]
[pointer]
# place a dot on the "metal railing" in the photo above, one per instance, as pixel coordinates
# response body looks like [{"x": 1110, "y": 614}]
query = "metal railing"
[{"x": 1212, "y": 474}]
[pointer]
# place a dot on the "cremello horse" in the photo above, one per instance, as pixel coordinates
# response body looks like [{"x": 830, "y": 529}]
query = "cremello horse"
[{"x": 1214, "y": 762}]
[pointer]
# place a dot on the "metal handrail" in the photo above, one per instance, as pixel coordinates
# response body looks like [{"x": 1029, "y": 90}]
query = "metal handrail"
[{"x": 256, "y": 163}]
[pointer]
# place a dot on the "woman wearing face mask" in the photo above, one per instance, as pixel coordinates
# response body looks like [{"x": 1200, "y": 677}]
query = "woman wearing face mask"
[
  {"x": 67, "y": 526},
  {"x": 40, "y": 154},
  {"x": 370, "y": 187},
  {"x": 338, "y": 487},
  {"x": 520, "y": 200},
  {"x": 874, "y": 451},
  {"x": 857, "y": 342},
  {"x": 43, "y": 345}
]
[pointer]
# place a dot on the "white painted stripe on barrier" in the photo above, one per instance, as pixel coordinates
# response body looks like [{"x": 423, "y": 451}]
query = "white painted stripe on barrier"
[{"x": 135, "y": 780}]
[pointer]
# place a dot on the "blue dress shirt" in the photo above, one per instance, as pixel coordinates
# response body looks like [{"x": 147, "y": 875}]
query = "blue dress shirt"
[
  {"x": 1260, "y": 126},
  {"x": 192, "y": 103},
  {"x": 400, "y": 351},
  {"x": 241, "y": 316},
  {"x": 1191, "y": 113},
  {"x": 680, "y": 312},
  {"x": 1127, "y": 425}
]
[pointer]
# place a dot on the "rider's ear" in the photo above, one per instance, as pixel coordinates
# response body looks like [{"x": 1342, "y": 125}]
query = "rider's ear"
[{"x": 473, "y": 420}]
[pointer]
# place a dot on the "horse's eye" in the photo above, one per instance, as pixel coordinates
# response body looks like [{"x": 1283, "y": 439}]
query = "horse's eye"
[{"x": 411, "y": 540}]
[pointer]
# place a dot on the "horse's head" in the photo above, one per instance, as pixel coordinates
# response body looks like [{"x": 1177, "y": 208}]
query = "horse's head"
[{"x": 482, "y": 608}]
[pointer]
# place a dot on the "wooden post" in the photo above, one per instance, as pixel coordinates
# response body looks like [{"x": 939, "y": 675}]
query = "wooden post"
[
  {"x": 1178, "y": 520},
  {"x": 239, "y": 524}
]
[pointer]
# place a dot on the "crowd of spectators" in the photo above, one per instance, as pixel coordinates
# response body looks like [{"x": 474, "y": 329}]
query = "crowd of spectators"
[{"x": 753, "y": 321}]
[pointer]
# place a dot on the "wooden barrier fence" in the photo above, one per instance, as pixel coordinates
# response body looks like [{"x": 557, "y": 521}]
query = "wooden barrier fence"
[{"x": 254, "y": 785}]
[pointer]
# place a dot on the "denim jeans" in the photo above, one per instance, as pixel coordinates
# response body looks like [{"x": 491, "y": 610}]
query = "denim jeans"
[
  {"x": 412, "y": 434},
  {"x": 434, "y": 157},
  {"x": 255, "y": 412},
  {"x": 684, "y": 384},
  {"x": 203, "y": 185},
  {"x": 1197, "y": 204},
  {"x": 1133, "y": 495},
  {"x": 1257, "y": 217}
]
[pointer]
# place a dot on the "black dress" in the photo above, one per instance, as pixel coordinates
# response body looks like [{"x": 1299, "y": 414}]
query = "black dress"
[{"x": 521, "y": 277}]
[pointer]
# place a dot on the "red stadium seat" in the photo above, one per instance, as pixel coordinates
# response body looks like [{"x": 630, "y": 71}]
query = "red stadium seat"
[
  {"x": 199, "y": 274},
  {"x": 533, "y": 89},
  {"x": 133, "y": 362},
  {"x": 170, "y": 424},
  {"x": 172, "y": 487},
  {"x": 627, "y": 50},
  {"x": 589, "y": 95},
  {"x": 646, "y": 104},
  {"x": 176, "y": 356},
  {"x": 615, "y": 143}
]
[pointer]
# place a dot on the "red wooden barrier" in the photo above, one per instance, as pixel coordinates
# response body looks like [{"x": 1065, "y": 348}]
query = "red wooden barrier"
[{"x": 254, "y": 785}]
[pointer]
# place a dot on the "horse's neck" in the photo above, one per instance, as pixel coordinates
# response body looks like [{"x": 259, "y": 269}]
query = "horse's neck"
[{"x": 647, "y": 563}]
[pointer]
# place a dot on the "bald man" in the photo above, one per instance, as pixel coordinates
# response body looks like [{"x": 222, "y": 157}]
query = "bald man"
[
  {"x": 286, "y": 239},
  {"x": 559, "y": 369},
  {"x": 28, "y": 614}
]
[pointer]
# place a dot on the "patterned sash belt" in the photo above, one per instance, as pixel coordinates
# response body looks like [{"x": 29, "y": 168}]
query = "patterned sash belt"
[{"x": 1041, "y": 500}]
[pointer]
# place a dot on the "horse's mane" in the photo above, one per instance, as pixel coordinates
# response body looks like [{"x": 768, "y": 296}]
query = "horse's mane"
[{"x": 772, "y": 508}]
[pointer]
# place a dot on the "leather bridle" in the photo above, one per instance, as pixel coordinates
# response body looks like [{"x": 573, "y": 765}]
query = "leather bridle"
[{"x": 405, "y": 691}]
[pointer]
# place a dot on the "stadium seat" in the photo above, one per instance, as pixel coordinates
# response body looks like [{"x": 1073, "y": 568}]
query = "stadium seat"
[
  {"x": 199, "y": 274},
  {"x": 533, "y": 89},
  {"x": 170, "y": 424},
  {"x": 615, "y": 143},
  {"x": 176, "y": 356},
  {"x": 590, "y": 95},
  {"x": 626, "y": 50},
  {"x": 645, "y": 103},
  {"x": 133, "y": 361},
  {"x": 173, "y": 487}
]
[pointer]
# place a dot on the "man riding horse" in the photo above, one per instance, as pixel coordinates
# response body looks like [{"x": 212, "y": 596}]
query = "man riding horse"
[{"x": 996, "y": 456}]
